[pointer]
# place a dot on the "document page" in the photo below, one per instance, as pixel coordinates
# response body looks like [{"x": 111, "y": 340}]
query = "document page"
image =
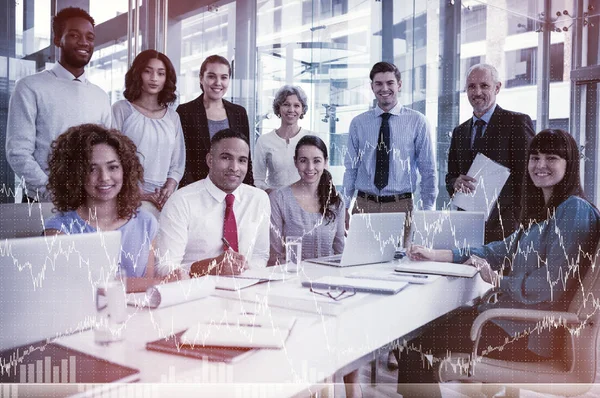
[{"x": 491, "y": 177}]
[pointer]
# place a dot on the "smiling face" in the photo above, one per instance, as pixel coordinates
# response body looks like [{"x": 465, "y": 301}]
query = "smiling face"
[
  {"x": 546, "y": 170},
  {"x": 215, "y": 81},
  {"x": 76, "y": 44},
  {"x": 291, "y": 110},
  {"x": 154, "y": 77},
  {"x": 310, "y": 163},
  {"x": 386, "y": 88},
  {"x": 228, "y": 163},
  {"x": 105, "y": 175},
  {"x": 482, "y": 90}
]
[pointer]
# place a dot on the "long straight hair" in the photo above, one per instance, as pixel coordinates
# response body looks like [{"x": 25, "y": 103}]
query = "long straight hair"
[
  {"x": 562, "y": 144},
  {"x": 329, "y": 199}
]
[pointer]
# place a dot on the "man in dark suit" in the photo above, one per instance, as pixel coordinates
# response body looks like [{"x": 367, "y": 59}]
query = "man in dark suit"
[
  {"x": 499, "y": 134},
  {"x": 202, "y": 117}
]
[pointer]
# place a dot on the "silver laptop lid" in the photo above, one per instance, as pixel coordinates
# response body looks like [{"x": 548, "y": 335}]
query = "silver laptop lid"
[
  {"x": 48, "y": 284},
  {"x": 21, "y": 220},
  {"x": 373, "y": 238},
  {"x": 444, "y": 229}
]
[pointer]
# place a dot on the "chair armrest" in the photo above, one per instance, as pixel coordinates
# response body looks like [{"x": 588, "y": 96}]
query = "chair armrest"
[{"x": 517, "y": 314}]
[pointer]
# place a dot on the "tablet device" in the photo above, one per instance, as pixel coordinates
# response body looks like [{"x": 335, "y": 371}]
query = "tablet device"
[{"x": 173, "y": 345}]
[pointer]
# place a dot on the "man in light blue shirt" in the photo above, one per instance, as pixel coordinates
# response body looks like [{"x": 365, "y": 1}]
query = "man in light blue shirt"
[{"x": 387, "y": 147}]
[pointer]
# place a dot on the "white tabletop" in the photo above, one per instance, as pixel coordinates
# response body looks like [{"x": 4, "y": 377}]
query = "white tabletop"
[{"x": 317, "y": 348}]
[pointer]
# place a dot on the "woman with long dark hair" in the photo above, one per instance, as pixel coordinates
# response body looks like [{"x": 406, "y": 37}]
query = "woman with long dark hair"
[
  {"x": 310, "y": 207},
  {"x": 538, "y": 267},
  {"x": 313, "y": 209},
  {"x": 146, "y": 118}
]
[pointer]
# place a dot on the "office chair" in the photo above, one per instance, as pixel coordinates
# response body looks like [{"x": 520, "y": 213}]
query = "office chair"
[{"x": 577, "y": 363}]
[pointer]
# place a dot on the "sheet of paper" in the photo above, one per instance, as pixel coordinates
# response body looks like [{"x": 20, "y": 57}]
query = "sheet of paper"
[
  {"x": 239, "y": 330},
  {"x": 490, "y": 177},
  {"x": 264, "y": 273},
  {"x": 391, "y": 275},
  {"x": 225, "y": 283}
]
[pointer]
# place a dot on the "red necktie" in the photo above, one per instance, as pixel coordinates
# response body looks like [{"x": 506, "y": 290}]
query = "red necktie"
[{"x": 229, "y": 225}]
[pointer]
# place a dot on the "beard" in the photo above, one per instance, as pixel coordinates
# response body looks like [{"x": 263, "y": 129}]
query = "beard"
[{"x": 74, "y": 61}]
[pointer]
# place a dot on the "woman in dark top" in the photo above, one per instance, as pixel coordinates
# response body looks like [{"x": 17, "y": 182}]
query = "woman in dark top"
[{"x": 203, "y": 117}]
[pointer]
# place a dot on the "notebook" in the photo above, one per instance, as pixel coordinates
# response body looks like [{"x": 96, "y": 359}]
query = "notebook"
[
  {"x": 444, "y": 229},
  {"x": 435, "y": 268},
  {"x": 372, "y": 238},
  {"x": 173, "y": 345},
  {"x": 358, "y": 285}
]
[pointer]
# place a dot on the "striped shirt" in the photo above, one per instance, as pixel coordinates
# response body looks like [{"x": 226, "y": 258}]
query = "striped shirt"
[{"x": 410, "y": 139}]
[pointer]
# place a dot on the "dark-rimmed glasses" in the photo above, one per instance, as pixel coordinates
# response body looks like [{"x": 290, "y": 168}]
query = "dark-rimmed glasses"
[{"x": 337, "y": 295}]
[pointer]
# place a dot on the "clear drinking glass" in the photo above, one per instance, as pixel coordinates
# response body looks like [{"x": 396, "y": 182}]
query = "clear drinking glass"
[
  {"x": 293, "y": 253},
  {"x": 111, "y": 304}
]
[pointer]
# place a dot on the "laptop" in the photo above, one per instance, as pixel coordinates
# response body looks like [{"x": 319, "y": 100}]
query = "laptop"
[
  {"x": 21, "y": 220},
  {"x": 48, "y": 289},
  {"x": 372, "y": 238},
  {"x": 444, "y": 229}
]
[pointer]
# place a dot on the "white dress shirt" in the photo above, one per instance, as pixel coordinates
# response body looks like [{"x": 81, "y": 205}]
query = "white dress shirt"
[
  {"x": 191, "y": 226},
  {"x": 42, "y": 107}
]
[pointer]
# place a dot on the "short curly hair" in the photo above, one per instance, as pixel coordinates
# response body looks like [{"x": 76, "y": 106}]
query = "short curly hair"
[
  {"x": 69, "y": 164},
  {"x": 133, "y": 78},
  {"x": 284, "y": 92}
]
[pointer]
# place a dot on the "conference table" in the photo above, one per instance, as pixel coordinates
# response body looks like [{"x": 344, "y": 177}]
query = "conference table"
[{"x": 320, "y": 349}]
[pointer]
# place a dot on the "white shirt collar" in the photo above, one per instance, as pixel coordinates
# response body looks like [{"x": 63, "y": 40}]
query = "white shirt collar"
[
  {"x": 218, "y": 193},
  {"x": 62, "y": 73}
]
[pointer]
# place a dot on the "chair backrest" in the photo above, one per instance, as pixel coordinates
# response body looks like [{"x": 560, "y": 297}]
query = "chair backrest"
[
  {"x": 582, "y": 345},
  {"x": 23, "y": 220}
]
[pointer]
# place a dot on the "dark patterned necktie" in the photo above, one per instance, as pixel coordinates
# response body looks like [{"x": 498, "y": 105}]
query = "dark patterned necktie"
[
  {"x": 382, "y": 160},
  {"x": 479, "y": 125}
]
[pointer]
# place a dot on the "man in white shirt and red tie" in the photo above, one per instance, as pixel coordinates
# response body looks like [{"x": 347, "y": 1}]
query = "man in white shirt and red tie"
[
  {"x": 46, "y": 104},
  {"x": 217, "y": 225}
]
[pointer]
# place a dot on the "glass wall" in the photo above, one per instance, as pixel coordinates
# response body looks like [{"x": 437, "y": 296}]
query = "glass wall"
[
  {"x": 328, "y": 51},
  {"x": 209, "y": 31}
]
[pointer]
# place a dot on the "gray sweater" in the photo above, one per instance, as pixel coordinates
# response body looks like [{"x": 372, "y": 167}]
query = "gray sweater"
[{"x": 319, "y": 238}]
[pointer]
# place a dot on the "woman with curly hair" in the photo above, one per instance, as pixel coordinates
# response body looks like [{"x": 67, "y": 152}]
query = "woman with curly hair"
[
  {"x": 146, "y": 118},
  {"x": 94, "y": 181}
]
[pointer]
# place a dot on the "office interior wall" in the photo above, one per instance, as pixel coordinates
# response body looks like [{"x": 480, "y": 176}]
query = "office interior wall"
[{"x": 328, "y": 46}]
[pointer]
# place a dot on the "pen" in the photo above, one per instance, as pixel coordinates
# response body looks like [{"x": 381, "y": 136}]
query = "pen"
[{"x": 226, "y": 243}]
